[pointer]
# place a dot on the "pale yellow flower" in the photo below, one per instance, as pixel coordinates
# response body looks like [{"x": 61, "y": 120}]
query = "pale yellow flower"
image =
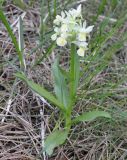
[
  {"x": 61, "y": 41},
  {"x": 75, "y": 12},
  {"x": 58, "y": 19},
  {"x": 82, "y": 36},
  {"x": 82, "y": 48},
  {"x": 64, "y": 35},
  {"x": 83, "y": 32},
  {"x": 81, "y": 52},
  {"x": 54, "y": 37},
  {"x": 64, "y": 28}
]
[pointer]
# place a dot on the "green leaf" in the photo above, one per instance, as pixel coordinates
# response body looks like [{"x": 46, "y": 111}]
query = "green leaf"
[
  {"x": 5, "y": 22},
  {"x": 89, "y": 116},
  {"x": 65, "y": 74},
  {"x": 114, "y": 3},
  {"x": 1, "y": 2},
  {"x": 101, "y": 9},
  {"x": 40, "y": 90},
  {"x": 20, "y": 3},
  {"x": 21, "y": 38},
  {"x": 55, "y": 139},
  {"x": 55, "y": 6},
  {"x": 49, "y": 10},
  {"x": 60, "y": 85}
]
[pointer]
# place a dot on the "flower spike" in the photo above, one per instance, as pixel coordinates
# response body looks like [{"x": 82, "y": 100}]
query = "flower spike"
[{"x": 69, "y": 28}]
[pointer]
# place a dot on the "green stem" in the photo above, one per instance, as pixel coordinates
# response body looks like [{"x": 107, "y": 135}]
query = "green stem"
[
  {"x": 72, "y": 87},
  {"x": 68, "y": 121},
  {"x": 72, "y": 72}
]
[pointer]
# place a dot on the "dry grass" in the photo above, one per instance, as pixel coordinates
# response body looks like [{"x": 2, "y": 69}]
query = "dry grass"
[{"x": 25, "y": 118}]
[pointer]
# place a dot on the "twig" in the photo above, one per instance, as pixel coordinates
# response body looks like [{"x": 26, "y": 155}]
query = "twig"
[
  {"x": 42, "y": 126},
  {"x": 42, "y": 133},
  {"x": 9, "y": 101},
  {"x": 103, "y": 17}
]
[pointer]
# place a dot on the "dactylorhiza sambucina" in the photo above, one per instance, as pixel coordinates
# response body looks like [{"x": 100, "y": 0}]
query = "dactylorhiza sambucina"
[{"x": 69, "y": 27}]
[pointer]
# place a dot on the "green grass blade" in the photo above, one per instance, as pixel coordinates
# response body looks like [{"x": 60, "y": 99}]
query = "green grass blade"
[
  {"x": 1, "y": 3},
  {"x": 96, "y": 58},
  {"x": 5, "y": 22},
  {"x": 42, "y": 25},
  {"x": 101, "y": 62},
  {"x": 20, "y": 4},
  {"x": 21, "y": 38},
  {"x": 114, "y": 3},
  {"x": 55, "y": 8},
  {"x": 49, "y": 11},
  {"x": 101, "y": 8}
]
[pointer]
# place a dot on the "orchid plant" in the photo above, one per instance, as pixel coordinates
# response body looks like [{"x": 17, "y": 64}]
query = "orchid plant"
[{"x": 71, "y": 30}]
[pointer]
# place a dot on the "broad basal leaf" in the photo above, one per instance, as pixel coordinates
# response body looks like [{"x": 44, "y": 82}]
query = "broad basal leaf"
[
  {"x": 89, "y": 116},
  {"x": 40, "y": 90},
  {"x": 60, "y": 85},
  {"x": 55, "y": 139}
]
